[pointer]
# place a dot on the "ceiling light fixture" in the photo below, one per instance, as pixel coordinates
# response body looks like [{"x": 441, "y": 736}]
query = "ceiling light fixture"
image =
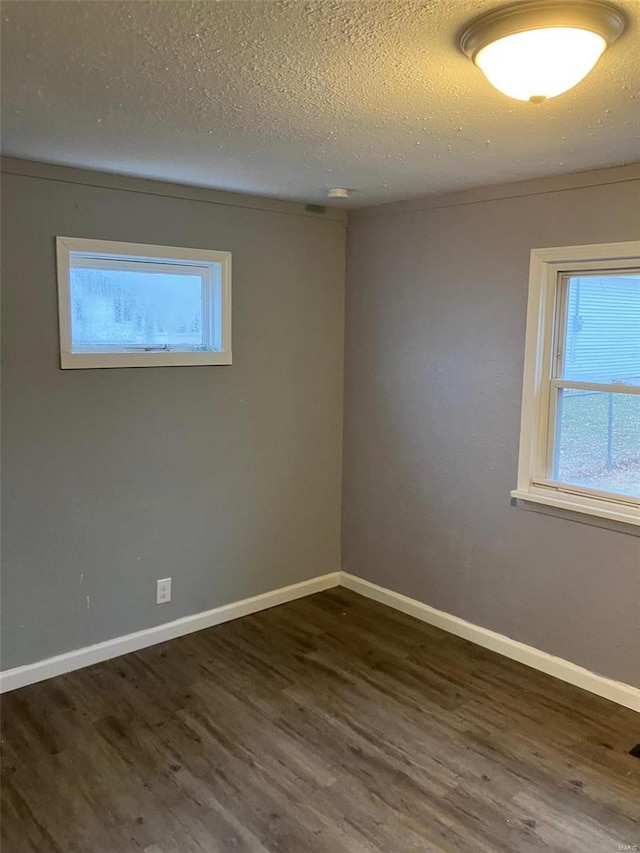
[{"x": 539, "y": 49}]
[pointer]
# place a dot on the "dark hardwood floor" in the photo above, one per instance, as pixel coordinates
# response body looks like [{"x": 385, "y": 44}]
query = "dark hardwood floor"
[{"x": 328, "y": 725}]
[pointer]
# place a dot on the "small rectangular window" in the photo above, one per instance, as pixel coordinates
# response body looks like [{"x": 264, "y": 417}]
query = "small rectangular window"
[
  {"x": 130, "y": 305},
  {"x": 580, "y": 431}
]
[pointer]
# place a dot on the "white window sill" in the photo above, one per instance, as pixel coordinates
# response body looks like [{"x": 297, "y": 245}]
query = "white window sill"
[{"x": 611, "y": 510}]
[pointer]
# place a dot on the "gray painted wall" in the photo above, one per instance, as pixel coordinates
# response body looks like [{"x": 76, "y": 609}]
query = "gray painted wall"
[
  {"x": 225, "y": 478},
  {"x": 436, "y": 306}
]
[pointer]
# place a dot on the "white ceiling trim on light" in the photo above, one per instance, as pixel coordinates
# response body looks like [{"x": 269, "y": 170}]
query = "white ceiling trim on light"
[{"x": 542, "y": 48}]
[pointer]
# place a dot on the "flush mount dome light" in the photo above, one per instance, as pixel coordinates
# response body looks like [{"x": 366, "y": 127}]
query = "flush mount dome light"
[{"x": 539, "y": 49}]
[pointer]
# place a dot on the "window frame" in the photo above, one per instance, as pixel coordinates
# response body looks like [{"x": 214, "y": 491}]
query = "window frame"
[
  {"x": 118, "y": 255},
  {"x": 549, "y": 272}
]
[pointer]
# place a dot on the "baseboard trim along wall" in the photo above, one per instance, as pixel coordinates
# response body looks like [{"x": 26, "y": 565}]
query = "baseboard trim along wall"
[
  {"x": 616, "y": 691},
  {"x": 20, "y": 676}
]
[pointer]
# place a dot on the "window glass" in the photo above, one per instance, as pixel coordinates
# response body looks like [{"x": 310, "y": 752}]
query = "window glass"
[
  {"x": 602, "y": 337},
  {"x": 598, "y": 441},
  {"x": 136, "y": 309}
]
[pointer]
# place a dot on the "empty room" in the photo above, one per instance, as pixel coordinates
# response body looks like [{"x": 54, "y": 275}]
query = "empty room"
[{"x": 320, "y": 426}]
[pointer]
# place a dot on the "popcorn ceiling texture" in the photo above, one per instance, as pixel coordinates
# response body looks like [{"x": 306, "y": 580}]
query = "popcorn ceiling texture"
[{"x": 287, "y": 99}]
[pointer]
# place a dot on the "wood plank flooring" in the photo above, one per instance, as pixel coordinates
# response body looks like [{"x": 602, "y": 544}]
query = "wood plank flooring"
[{"x": 328, "y": 725}]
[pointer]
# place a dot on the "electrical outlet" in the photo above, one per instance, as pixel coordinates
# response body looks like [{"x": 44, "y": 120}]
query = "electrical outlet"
[{"x": 163, "y": 591}]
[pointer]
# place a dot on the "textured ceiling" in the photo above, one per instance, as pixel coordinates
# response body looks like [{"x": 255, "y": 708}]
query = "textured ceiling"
[{"x": 288, "y": 98}]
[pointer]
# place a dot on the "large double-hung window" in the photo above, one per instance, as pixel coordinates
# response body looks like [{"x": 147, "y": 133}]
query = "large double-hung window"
[{"x": 580, "y": 431}]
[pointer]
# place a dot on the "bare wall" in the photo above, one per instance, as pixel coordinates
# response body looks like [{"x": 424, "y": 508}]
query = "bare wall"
[
  {"x": 436, "y": 307},
  {"x": 225, "y": 478}
]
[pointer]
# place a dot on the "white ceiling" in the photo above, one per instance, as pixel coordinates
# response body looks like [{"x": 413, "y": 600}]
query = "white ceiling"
[{"x": 287, "y": 98}]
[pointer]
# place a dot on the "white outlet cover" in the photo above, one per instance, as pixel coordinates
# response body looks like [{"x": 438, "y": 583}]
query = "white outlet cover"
[{"x": 163, "y": 591}]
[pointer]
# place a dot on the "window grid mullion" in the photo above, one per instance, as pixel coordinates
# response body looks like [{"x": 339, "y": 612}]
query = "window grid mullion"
[{"x": 611, "y": 388}]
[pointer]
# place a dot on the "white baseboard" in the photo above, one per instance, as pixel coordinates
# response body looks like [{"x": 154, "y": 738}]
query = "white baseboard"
[
  {"x": 20, "y": 676},
  {"x": 616, "y": 691}
]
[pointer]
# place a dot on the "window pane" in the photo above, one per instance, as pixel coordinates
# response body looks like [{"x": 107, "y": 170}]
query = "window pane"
[
  {"x": 602, "y": 340},
  {"x": 136, "y": 309},
  {"x": 598, "y": 441}
]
